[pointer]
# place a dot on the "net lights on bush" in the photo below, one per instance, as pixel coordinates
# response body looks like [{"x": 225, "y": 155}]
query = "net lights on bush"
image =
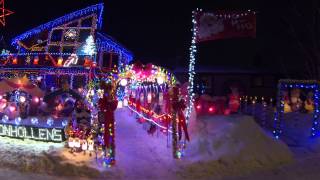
[
  {"x": 192, "y": 62},
  {"x": 283, "y": 85}
]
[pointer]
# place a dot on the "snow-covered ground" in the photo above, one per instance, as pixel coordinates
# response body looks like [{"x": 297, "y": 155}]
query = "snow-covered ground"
[{"x": 221, "y": 148}]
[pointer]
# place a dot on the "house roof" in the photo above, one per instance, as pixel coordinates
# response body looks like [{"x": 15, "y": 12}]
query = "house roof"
[
  {"x": 225, "y": 70},
  {"x": 61, "y": 20},
  {"x": 106, "y": 42}
]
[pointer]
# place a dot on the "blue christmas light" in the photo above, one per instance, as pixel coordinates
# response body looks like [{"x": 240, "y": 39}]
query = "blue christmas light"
[
  {"x": 62, "y": 20},
  {"x": 17, "y": 120},
  {"x": 5, "y": 118},
  {"x": 64, "y": 123},
  {"x": 314, "y": 85},
  {"x": 50, "y": 121},
  {"x": 34, "y": 121}
]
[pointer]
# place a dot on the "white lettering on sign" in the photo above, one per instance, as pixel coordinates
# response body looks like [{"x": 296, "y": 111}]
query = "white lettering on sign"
[
  {"x": 242, "y": 24},
  {"x": 23, "y": 132}
]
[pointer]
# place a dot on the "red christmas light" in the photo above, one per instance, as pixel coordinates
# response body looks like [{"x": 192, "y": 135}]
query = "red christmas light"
[{"x": 211, "y": 109}]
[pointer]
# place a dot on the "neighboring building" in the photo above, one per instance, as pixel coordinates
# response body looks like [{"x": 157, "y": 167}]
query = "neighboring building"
[{"x": 216, "y": 81}]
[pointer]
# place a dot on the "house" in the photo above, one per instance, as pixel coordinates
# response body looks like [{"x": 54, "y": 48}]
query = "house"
[{"x": 216, "y": 81}]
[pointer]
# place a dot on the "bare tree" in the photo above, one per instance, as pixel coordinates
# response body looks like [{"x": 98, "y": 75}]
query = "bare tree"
[{"x": 302, "y": 24}]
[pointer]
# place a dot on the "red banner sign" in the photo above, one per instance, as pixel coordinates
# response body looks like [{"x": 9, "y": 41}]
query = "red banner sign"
[{"x": 224, "y": 25}]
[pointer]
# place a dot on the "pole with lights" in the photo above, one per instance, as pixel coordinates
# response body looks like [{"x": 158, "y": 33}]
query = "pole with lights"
[{"x": 192, "y": 61}]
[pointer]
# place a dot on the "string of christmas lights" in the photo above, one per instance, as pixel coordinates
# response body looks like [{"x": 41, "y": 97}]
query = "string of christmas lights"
[
  {"x": 300, "y": 84},
  {"x": 192, "y": 61},
  {"x": 60, "y": 21}
]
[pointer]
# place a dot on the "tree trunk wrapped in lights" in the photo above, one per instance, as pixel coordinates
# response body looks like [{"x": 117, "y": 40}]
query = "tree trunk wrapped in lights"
[{"x": 108, "y": 104}]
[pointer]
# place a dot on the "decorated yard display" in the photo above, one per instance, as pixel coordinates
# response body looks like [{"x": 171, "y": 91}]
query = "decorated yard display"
[
  {"x": 52, "y": 86},
  {"x": 152, "y": 94},
  {"x": 212, "y": 26},
  {"x": 59, "y": 87},
  {"x": 311, "y": 103}
]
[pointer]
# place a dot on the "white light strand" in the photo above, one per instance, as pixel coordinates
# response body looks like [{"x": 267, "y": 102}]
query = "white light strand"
[{"x": 192, "y": 61}]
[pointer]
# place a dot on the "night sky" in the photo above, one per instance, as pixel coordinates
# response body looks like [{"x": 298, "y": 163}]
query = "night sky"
[{"x": 159, "y": 31}]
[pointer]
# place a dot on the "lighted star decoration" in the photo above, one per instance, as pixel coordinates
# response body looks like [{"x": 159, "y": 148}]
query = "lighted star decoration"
[{"x": 3, "y": 13}]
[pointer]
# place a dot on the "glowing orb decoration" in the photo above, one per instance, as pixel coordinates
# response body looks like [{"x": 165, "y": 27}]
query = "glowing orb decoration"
[
  {"x": 12, "y": 108},
  {"x": 50, "y": 121},
  {"x": 5, "y": 118},
  {"x": 64, "y": 123},
  {"x": 17, "y": 120},
  {"x": 34, "y": 121},
  {"x": 198, "y": 107},
  {"x": 123, "y": 82},
  {"x": 36, "y": 99},
  {"x": 80, "y": 90},
  {"x": 36, "y": 61},
  {"x": 160, "y": 80},
  {"x": 22, "y": 99},
  {"x": 120, "y": 104}
]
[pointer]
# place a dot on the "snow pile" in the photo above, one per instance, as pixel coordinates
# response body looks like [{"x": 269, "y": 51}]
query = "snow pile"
[
  {"x": 220, "y": 145},
  {"x": 41, "y": 157},
  {"x": 231, "y": 145}
]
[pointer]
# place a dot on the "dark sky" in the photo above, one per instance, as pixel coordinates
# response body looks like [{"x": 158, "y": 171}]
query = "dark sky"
[{"x": 159, "y": 31}]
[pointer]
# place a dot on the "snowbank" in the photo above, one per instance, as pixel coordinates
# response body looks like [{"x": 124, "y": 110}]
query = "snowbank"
[
  {"x": 41, "y": 157},
  {"x": 231, "y": 145},
  {"x": 220, "y": 145}
]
